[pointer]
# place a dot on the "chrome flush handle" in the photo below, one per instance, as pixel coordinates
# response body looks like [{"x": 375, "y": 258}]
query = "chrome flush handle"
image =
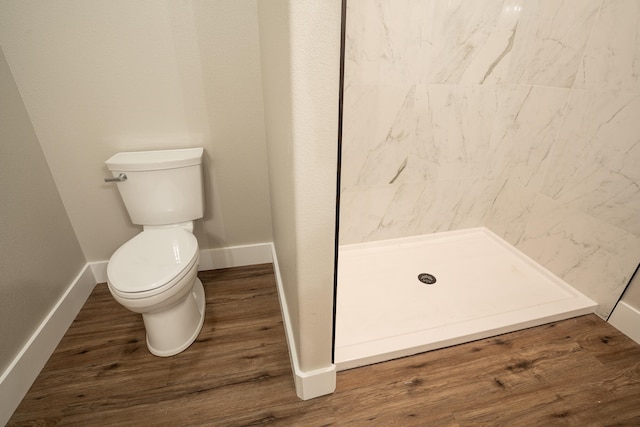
[{"x": 119, "y": 178}]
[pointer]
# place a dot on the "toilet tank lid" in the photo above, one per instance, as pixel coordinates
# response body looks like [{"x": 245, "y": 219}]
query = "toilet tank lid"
[{"x": 155, "y": 160}]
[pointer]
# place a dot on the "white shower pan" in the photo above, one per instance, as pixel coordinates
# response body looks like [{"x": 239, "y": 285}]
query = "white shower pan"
[{"x": 484, "y": 287}]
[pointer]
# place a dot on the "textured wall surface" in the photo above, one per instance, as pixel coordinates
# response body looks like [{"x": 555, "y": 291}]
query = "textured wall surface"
[
  {"x": 300, "y": 43},
  {"x": 517, "y": 115}
]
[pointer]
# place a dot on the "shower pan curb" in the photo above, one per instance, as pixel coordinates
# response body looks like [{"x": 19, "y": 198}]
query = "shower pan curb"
[{"x": 455, "y": 309}]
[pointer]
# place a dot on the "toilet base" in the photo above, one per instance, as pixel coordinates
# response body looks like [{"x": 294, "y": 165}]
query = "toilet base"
[{"x": 171, "y": 331}]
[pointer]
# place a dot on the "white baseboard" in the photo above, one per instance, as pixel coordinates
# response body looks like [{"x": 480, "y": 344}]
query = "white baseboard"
[
  {"x": 211, "y": 259},
  {"x": 99, "y": 269},
  {"x": 235, "y": 256},
  {"x": 16, "y": 380},
  {"x": 309, "y": 384},
  {"x": 626, "y": 319}
]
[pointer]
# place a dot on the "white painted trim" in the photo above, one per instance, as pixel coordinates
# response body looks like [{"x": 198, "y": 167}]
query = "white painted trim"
[
  {"x": 309, "y": 384},
  {"x": 626, "y": 319},
  {"x": 99, "y": 269},
  {"x": 315, "y": 383},
  {"x": 211, "y": 259},
  {"x": 16, "y": 380},
  {"x": 235, "y": 256}
]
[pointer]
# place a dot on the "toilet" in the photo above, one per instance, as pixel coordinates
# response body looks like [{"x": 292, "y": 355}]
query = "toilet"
[{"x": 155, "y": 273}]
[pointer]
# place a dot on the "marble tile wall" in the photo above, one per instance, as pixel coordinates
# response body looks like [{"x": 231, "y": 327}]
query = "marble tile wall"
[{"x": 519, "y": 115}]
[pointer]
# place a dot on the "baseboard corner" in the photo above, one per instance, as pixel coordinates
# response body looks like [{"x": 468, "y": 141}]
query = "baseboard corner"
[
  {"x": 316, "y": 383},
  {"x": 626, "y": 319},
  {"x": 309, "y": 384}
]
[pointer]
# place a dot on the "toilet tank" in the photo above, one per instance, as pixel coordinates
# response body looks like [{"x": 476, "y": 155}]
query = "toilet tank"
[{"x": 162, "y": 187}]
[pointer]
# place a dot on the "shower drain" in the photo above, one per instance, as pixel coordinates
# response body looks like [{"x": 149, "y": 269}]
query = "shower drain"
[{"x": 427, "y": 278}]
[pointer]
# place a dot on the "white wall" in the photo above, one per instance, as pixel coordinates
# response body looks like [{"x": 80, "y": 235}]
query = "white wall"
[
  {"x": 300, "y": 60},
  {"x": 39, "y": 253},
  {"x": 99, "y": 77}
]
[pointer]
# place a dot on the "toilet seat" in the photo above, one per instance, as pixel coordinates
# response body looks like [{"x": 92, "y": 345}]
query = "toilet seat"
[{"x": 152, "y": 262}]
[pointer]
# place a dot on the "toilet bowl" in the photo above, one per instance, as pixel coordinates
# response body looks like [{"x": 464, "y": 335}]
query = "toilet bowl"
[{"x": 155, "y": 274}]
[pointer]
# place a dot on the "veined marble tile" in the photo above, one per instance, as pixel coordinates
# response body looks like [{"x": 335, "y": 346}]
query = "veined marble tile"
[
  {"x": 414, "y": 208},
  {"x": 557, "y": 47},
  {"x": 524, "y": 131},
  {"x": 362, "y": 210},
  {"x": 457, "y": 204},
  {"x": 536, "y": 42},
  {"x": 510, "y": 211},
  {"x": 382, "y": 41},
  {"x": 594, "y": 257},
  {"x": 484, "y": 130},
  {"x": 453, "y": 138},
  {"x": 596, "y": 161},
  {"x": 468, "y": 42},
  {"x": 612, "y": 57},
  {"x": 402, "y": 215},
  {"x": 398, "y": 218},
  {"x": 378, "y": 130}
]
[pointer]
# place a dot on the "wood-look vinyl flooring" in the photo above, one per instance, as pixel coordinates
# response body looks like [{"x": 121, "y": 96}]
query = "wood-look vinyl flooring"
[{"x": 578, "y": 372}]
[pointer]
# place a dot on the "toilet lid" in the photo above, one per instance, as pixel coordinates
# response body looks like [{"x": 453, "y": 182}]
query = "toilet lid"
[{"x": 151, "y": 259}]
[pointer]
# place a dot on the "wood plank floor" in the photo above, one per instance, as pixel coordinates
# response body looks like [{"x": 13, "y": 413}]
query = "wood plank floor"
[{"x": 579, "y": 372}]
